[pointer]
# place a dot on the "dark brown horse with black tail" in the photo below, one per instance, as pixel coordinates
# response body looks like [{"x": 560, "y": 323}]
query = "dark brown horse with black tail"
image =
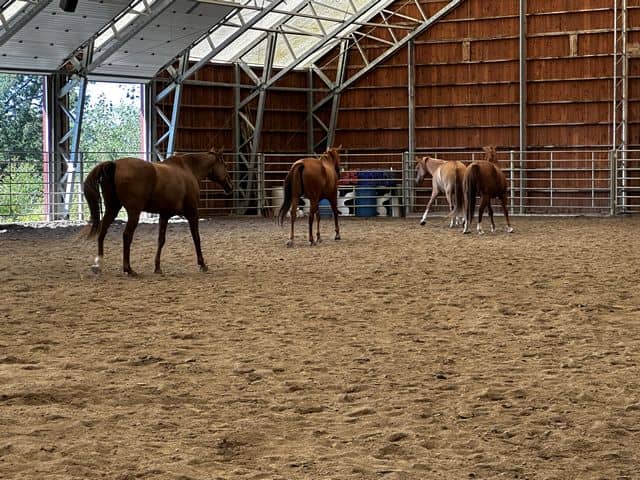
[
  {"x": 315, "y": 178},
  {"x": 167, "y": 188},
  {"x": 485, "y": 178}
]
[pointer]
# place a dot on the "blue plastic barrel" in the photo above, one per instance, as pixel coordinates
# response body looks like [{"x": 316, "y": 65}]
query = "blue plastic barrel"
[
  {"x": 325, "y": 209},
  {"x": 366, "y": 193}
]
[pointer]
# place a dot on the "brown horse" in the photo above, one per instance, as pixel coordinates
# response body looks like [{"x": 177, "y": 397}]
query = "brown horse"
[
  {"x": 486, "y": 178},
  {"x": 447, "y": 177},
  {"x": 167, "y": 188},
  {"x": 315, "y": 178}
]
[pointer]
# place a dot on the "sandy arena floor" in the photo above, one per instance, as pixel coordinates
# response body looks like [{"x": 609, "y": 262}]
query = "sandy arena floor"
[{"x": 400, "y": 352}]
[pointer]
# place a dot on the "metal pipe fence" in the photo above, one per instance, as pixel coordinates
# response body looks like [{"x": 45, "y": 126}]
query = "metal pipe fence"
[{"x": 38, "y": 186}]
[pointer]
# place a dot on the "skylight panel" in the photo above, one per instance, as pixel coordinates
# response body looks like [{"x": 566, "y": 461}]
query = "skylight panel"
[{"x": 13, "y": 9}]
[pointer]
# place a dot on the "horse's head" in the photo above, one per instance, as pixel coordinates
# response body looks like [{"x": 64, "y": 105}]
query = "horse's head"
[
  {"x": 218, "y": 171},
  {"x": 421, "y": 169},
  {"x": 333, "y": 155},
  {"x": 490, "y": 154}
]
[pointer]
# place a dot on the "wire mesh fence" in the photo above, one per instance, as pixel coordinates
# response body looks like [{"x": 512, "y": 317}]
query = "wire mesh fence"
[{"x": 41, "y": 186}]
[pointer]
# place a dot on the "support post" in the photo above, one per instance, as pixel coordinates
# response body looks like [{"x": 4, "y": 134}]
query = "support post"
[
  {"x": 411, "y": 85},
  {"x": 523, "y": 100}
]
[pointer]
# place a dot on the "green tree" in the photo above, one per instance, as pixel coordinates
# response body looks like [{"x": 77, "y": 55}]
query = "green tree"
[
  {"x": 20, "y": 116},
  {"x": 110, "y": 130}
]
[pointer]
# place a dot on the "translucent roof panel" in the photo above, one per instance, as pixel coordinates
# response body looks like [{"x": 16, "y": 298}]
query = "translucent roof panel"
[{"x": 301, "y": 25}]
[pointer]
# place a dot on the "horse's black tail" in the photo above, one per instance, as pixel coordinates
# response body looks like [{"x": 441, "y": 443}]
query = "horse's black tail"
[
  {"x": 101, "y": 177},
  {"x": 470, "y": 184},
  {"x": 292, "y": 189}
]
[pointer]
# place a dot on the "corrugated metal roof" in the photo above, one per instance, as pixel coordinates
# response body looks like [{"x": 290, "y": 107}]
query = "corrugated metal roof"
[
  {"x": 136, "y": 38},
  {"x": 171, "y": 32},
  {"x": 49, "y": 37}
]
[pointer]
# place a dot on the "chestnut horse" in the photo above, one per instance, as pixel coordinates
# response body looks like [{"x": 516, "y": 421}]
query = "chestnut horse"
[
  {"x": 486, "y": 178},
  {"x": 168, "y": 188},
  {"x": 315, "y": 178},
  {"x": 446, "y": 177}
]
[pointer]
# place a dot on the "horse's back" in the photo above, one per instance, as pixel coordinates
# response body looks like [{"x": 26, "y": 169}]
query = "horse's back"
[
  {"x": 153, "y": 187},
  {"x": 319, "y": 177},
  {"x": 489, "y": 177}
]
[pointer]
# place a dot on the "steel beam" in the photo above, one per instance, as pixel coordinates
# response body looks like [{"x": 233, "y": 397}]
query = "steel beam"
[
  {"x": 66, "y": 126},
  {"x": 411, "y": 93},
  {"x": 420, "y": 28},
  {"x": 216, "y": 50},
  {"x": 9, "y": 27},
  {"x": 523, "y": 100},
  {"x": 335, "y": 102}
]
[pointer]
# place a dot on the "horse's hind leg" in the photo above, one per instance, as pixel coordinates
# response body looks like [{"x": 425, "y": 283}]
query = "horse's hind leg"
[
  {"x": 503, "y": 201},
  {"x": 334, "y": 209},
  {"x": 109, "y": 216},
  {"x": 127, "y": 238},
  {"x": 162, "y": 233},
  {"x": 449, "y": 195}
]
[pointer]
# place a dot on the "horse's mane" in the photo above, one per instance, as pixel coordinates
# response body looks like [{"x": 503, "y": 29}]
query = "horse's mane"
[{"x": 333, "y": 157}]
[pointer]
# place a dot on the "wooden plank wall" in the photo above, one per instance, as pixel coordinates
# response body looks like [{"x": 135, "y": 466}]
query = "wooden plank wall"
[
  {"x": 467, "y": 81},
  {"x": 467, "y": 88},
  {"x": 207, "y": 113}
]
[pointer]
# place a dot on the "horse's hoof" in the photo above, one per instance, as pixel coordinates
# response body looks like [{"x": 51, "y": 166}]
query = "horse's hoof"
[
  {"x": 204, "y": 268},
  {"x": 337, "y": 237},
  {"x": 509, "y": 229},
  {"x": 131, "y": 273},
  {"x": 423, "y": 222},
  {"x": 96, "y": 269},
  {"x": 466, "y": 231},
  {"x": 289, "y": 243},
  {"x": 158, "y": 271}
]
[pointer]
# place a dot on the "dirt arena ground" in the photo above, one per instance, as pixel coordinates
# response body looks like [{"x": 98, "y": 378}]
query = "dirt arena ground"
[{"x": 400, "y": 352}]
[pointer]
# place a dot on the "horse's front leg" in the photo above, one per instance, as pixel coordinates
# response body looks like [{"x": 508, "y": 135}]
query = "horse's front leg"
[
  {"x": 192, "y": 218},
  {"x": 293, "y": 212},
  {"x": 318, "y": 239},
  {"x": 313, "y": 211},
  {"x": 334, "y": 209},
  {"x": 503, "y": 201},
  {"x": 483, "y": 204},
  {"x": 127, "y": 238},
  {"x": 162, "y": 232},
  {"x": 434, "y": 194},
  {"x": 493, "y": 224}
]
